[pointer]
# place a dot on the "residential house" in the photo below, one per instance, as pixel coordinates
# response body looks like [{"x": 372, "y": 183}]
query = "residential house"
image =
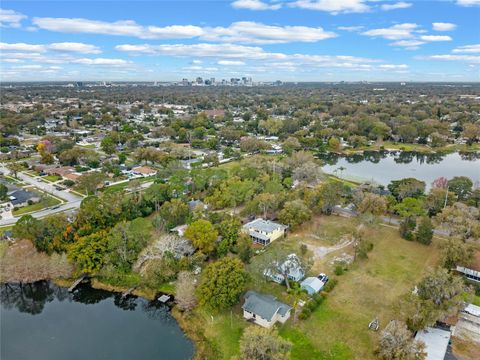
[
  {"x": 21, "y": 197},
  {"x": 144, "y": 171},
  {"x": 60, "y": 171},
  {"x": 472, "y": 272},
  {"x": 264, "y": 310},
  {"x": 312, "y": 285},
  {"x": 291, "y": 267},
  {"x": 264, "y": 231}
]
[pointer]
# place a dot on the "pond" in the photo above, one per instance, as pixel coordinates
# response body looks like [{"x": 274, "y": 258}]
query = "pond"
[
  {"x": 44, "y": 321},
  {"x": 384, "y": 166}
]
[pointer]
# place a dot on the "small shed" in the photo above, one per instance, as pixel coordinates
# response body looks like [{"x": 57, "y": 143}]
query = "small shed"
[
  {"x": 312, "y": 285},
  {"x": 436, "y": 342}
]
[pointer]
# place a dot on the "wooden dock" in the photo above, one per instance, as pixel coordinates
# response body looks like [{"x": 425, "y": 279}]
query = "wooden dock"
[
  {"x": 77, "y": 282},
  {"x": 128, "y": 292}
]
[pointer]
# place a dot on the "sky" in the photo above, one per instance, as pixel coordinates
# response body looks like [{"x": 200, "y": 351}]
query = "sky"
[{"x": 287, "y": 40}]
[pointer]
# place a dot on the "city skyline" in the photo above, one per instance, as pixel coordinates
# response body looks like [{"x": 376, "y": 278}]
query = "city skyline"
[{"x": 304, "y": 40}]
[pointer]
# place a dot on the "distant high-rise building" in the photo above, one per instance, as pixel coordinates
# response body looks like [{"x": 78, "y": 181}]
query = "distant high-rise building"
[
  {"x": 79, "y": 84},
  {"x": 199, "y": 80},
  {"x": 212, "y": 81}
]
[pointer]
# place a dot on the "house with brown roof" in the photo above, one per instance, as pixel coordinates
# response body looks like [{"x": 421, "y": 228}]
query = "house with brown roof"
[{"x": 144, "y": 171}]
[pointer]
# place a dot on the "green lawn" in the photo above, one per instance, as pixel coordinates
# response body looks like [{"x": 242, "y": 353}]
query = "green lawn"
[
  {"x": 47, "y": 202},
  {"x": 51, "y": 178}
]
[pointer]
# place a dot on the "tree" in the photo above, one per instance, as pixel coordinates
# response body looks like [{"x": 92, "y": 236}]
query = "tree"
[
  {"x": 424, "y": 233},
  {"x": 471, "y": 132},
  {"x": 3, "y": 191},
  {"x": 222, "y": 283},
  {"x": 408, "y": 133},
  {"x": 90, "y": 182},
  {"x": 27, "y": 227},
  {"x": 407, "y": 226},
  {"x": 408, "y": 187},
  {"x": 295, "y": 213},
  {"x": 202, "y": 234},
  {"x": 175, "y": 212},
  {"x": 125, "y": 241},
  {"x": 456, "y": 252},
  {"x": 437, "y": 199},
  {"x": 185, "y": 291},
  {"x": 372, "y": 204},
  {"x": 89, "y": 252},
  {"x": 108, "y": 145},
  {"x": 263, "y": 344},
  {"x": 290, "y": 145},
  {"x": 410, "y": 207},
  {"x": 229, "y": 230},
  {"x": 396, "y": 343},
  {"x": 461, "y": 186},
  {"x": 334, "y": 144},
  {"x": 308, "y": 172},
  {"x": 461, "y": 221},
  {"x": 441, "y": 287},
  {"x": 15, "y": 168}
]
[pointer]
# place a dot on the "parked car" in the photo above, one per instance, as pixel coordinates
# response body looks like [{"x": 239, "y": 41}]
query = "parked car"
[{"x": 323, "y": 278}]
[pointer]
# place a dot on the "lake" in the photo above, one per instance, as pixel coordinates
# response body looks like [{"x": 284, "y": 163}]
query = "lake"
[
  {"x": 384, "y": 166},
  {"x": 44, "y": 321}
]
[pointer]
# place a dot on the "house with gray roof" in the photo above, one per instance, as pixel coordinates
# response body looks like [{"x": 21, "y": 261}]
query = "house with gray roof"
[
  {"x": 264, "y": 231},
  {"x": 264, "y": 310}
]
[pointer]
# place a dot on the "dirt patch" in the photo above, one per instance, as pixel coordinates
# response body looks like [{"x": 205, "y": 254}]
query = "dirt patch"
[{"x": 319, "y": 252}]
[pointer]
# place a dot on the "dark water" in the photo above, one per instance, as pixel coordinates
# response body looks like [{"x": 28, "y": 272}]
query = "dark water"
[
  {"x": 383, "y": 166},
  {"x": 43, "y": 321}
]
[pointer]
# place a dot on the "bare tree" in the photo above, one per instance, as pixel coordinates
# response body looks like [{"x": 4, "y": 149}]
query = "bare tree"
[{"x": 185, "y": 291}]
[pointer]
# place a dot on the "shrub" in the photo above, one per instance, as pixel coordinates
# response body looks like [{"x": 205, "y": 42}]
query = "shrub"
[{"x": 330, "y": 285}]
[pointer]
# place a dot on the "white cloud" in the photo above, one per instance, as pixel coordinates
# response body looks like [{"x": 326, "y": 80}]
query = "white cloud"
[
  {"x": 333, "y": 6},
  {"x": 350, "y": 28},
  {"x": 467, "y": 49},
  {"x": 431, "y": 38},
  {"x": 234, "y": 54},
  {"x": 241, "y": 32},
  {"x": 230, "y": 62},
  {"x": 68, "y": 47},
  {"x": 407, "y": 43},
  {"x": 75, "y": 47},
  {"x": 121, "y": 28},
  {"x": 393, "y": 67},
  {"x": 468, "y": 2},
  {"x": 394, "y": 6},
  {"x": 449, "y": 57},
  {"x": 255, "y": 5},
  {"x": 256, "y": 33},
  {"x": 441, "y": 26},
  {"x": 395, "y": 32},
  {"x": 197, "y": 61},
  {"x": 100, "y": 61},
  {"x": 11, "y": 18},
  {"x": 22, "y": 47}
]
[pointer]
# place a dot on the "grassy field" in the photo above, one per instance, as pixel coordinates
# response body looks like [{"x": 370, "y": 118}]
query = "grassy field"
[
  {"x": 47, "y": 202},
  {"x": 338, "y": 329},
  {"x": 51, "y": 178}
]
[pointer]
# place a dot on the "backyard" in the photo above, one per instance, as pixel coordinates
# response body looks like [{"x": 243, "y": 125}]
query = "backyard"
[{"x": 371, "y": 288}]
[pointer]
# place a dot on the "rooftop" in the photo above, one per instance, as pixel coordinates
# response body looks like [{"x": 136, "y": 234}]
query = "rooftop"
[
  {"x": 264, "y": 305},
  {"x": 436, "y": 342},
  {"x": 264, "y": 225}
]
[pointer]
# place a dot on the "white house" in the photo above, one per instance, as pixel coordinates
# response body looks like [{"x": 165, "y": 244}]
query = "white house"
[
  {"x": 264, "y": 310},
  {"x": 264, "y": 231},
  {"x": 312, "y": 285}
]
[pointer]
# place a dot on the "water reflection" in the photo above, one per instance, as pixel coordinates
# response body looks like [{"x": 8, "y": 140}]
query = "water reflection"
[
  {"x": 384, "y": 166},
  {"x": 109, "y": 325},
  {"x": 31, "y": 298}
]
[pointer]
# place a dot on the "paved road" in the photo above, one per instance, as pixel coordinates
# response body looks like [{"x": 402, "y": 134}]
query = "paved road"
[{"x": 72, "y": 200}]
